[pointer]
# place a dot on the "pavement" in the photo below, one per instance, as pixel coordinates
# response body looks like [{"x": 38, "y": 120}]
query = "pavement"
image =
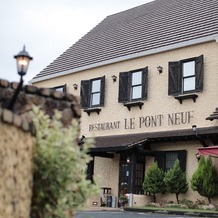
[{"x": 174, "y": 212}]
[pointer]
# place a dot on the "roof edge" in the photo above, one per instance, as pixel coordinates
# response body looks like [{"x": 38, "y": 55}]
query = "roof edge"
[{"x": 129, "y": 57}]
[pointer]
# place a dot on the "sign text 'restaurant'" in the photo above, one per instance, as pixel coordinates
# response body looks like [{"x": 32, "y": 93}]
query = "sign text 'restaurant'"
[{"x": 179, "y": 118}]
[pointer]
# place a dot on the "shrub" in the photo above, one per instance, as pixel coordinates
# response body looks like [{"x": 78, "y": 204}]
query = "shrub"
[
  {"x": 205, "y": 180},
  {"x": 59, "y": 183},
  {"x": 153, "y": 181},
  {"x": 175, "y": 180},
  {"x": 190, "y": 204}
]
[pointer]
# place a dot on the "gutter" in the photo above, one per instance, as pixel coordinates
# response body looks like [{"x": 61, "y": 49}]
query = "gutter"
[{"x": 129, "y": 57}]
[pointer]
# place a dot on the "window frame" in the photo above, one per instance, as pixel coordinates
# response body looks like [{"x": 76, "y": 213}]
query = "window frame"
[
  {"x": 133, "y": 86},
  {"x": 125, "y": 86},
  {"x": 63, "y": 87},
  {"x": 175, "y": 76},
  {"x": 92, "y": 93},
  {"x": 160, "y": 158},
  {"x": 86, "y": 93}
]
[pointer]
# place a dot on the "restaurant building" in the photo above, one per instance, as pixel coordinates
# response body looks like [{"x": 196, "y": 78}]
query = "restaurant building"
[{"x": 146, "y": 78}]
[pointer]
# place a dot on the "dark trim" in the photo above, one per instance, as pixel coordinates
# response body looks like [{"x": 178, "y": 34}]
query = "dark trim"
[
  {"x": 180, "y": 98},
  {"x": 64, "y": 87},
  {"x": 100, "y": 154},
  {"x": 110, "y": 149},
  {"x": 91, "y": 110},
  {"x": 132, "y": 104}
]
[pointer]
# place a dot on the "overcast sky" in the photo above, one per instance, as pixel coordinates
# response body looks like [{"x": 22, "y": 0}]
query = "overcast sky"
[{"x": 48, "y": 28}]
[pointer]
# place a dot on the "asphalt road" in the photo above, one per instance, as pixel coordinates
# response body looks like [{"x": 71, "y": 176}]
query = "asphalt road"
[{"x": 123, "y": 214}]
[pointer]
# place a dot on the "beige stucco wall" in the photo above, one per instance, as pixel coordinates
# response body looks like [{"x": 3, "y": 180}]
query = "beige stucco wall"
[
  {"x": 158, "y": 102},
  {"x": 106, "y": 171},
  {"x": 16, "y": 151}
]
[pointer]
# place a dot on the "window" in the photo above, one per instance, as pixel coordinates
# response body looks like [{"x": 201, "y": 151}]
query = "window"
[
  {"x": 166, "y": 159},
  {"x": 133, "y": 86},
  {"x": 186, "y": 76},
  {"x": 60, "y": 88},
  {"x": 136, "y": 86},
  {"x": 95, "y": 92},
  {"x": 92, "y": 92},
  {"x": 171, "y": 157}
]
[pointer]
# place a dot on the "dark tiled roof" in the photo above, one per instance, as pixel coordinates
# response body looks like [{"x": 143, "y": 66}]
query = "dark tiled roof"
[
  {"x": 130, "y": 141},
  {"x": 144, "y": 28}
]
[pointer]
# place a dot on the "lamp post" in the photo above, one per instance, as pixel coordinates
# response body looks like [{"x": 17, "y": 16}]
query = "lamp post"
[{"x": 23, "y": 59}]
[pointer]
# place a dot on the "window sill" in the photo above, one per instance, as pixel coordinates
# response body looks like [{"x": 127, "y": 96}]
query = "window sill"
[
  {"x": 91, "y": 110},
  {"x": 180, "y": 98},
  {"x": 132, "y": 104}
]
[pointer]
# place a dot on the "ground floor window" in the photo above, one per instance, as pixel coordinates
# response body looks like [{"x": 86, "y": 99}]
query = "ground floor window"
[{"x": 166, "y": 159}]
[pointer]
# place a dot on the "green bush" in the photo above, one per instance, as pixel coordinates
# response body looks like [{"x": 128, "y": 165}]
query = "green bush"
[
  {"x": 154, "y": 181},
  {"x": 175, "y": 180},
  {"x": 59, "y": 183},
  {"x": 190, "y": 204},
  {"x": 205, "y": 180}
]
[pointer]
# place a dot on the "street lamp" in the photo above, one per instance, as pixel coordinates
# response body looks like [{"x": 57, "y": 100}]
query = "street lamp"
[{"x": 23, "y": 60}]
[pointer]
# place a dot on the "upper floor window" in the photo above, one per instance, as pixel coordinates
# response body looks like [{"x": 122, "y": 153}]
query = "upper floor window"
[
  {"x": 62, "y": 88},
  {"x": 133, "y": 85},
  {"x": 186, "y": 76},
  {"x": 95, "y": 92},
  {"x": 92, "y": 92},
  {"x": 136, "y": 86}
]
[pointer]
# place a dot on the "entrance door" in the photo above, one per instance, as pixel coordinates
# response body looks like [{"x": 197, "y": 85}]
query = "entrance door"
[
  {"x": 124, "y": 174},
  {"x": 132, "y": 170}
]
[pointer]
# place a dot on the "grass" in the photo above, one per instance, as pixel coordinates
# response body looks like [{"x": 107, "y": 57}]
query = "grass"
[{"x": 185, "y": 210}]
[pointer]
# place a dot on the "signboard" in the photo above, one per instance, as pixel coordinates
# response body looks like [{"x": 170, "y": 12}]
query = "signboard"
[{"x": 148, "y": 121}]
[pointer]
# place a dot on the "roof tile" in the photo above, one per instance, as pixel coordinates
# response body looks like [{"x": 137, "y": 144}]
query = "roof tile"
[{"x": 150, "y": 26}]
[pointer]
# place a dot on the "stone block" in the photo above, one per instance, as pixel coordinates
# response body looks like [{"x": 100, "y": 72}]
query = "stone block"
[{"x": 7, "y": 116}]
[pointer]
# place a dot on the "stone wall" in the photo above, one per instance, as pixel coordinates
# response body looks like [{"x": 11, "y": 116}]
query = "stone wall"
[
  {"x": 16, "y": 150},
  {"x": 17, "y": 142}
]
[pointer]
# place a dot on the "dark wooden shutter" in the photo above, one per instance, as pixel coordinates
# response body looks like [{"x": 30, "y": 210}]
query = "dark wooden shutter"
[
  {"x": 159, "y": 157},
  {"x": 102, "y": 91},
  {"x": 123, "y": 87},
  {"x": 144, "y": 83},
  {"x": 174, "y": 78},
  {"x": 182, "y": 159},
  {"x": 199, "y": 71},
  {"x": 85, "y": 93}
]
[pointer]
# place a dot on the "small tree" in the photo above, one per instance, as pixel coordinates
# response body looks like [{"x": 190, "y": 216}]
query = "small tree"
[
  {"x": 154, "y": 181},
  {"x": 205, "y": 180},
  {"x": 175, "y": 180},
  {"x": 59, "y": 180}
]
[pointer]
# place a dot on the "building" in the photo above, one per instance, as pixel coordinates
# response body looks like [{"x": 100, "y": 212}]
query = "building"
[{"x": 145, "y": 76}]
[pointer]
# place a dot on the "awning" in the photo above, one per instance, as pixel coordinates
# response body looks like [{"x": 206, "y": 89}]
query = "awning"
[
  {"x": 117, "y": 143},
  {"x": 211, "y": 150}
]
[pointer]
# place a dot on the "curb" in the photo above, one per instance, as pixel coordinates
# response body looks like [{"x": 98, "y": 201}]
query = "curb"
[{"x": 194, "y": 214}]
